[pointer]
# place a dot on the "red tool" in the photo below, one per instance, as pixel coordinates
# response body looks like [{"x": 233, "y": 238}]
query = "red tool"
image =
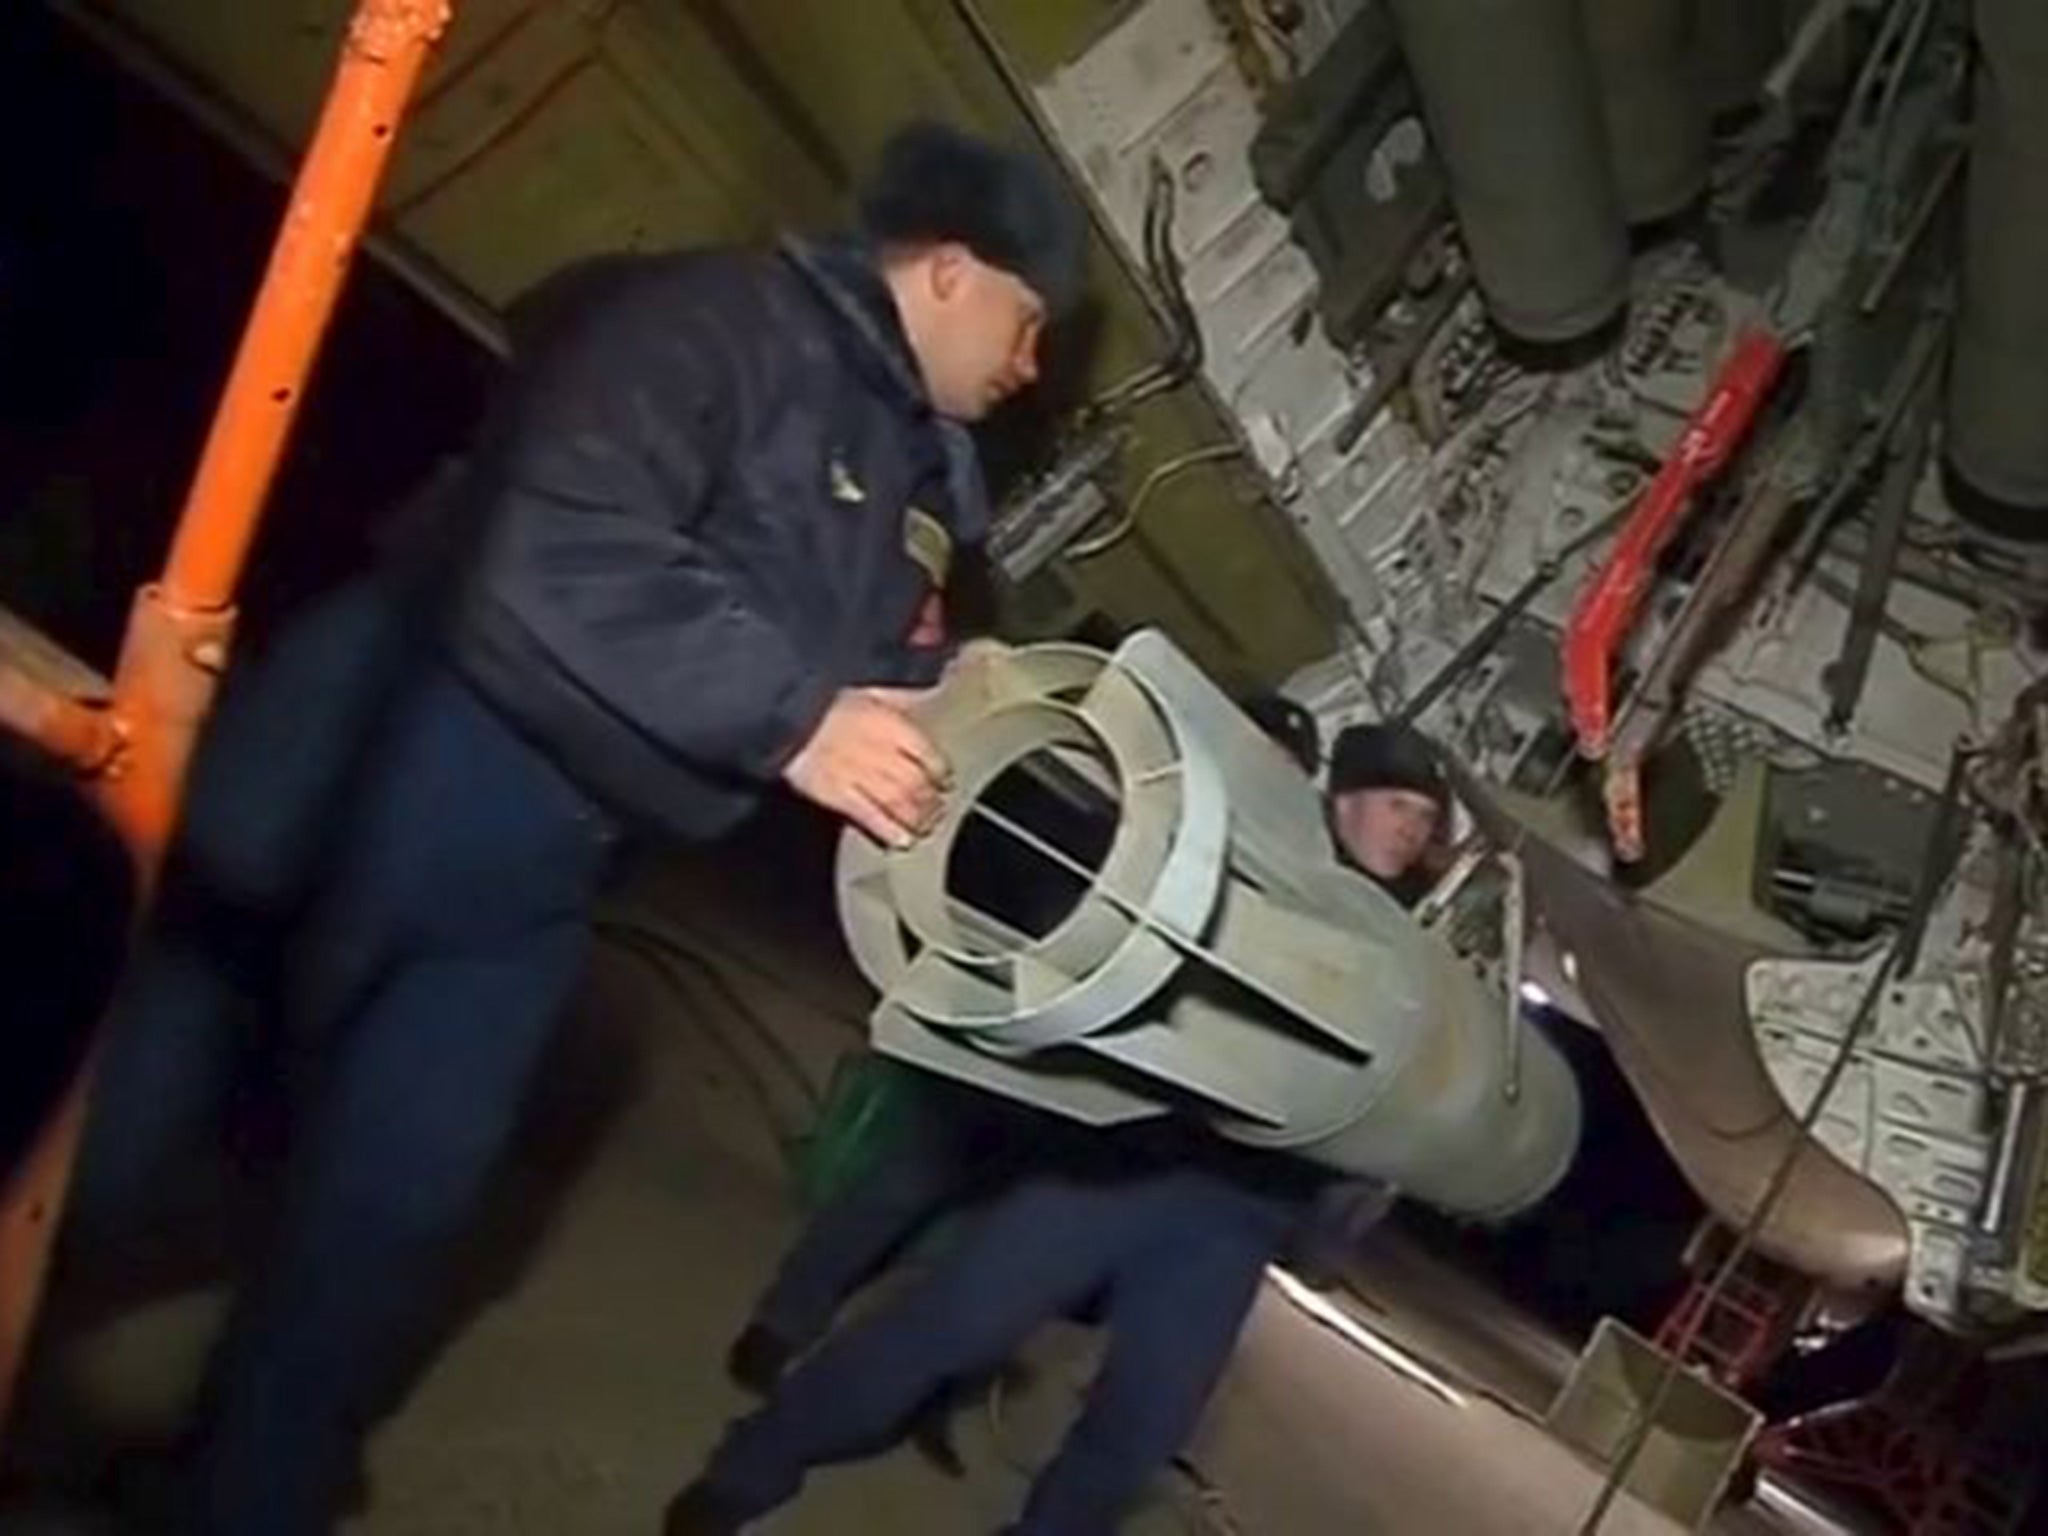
[{"x": 1609, "y": 605}]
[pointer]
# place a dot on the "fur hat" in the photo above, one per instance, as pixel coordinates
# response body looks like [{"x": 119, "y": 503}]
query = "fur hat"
[{"x": 936, "y": 183}]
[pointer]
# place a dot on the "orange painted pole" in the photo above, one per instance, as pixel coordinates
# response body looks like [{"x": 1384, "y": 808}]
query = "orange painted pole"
[
  {"x": 178, "y": 635},
  {"x": 386, "y": 49}
]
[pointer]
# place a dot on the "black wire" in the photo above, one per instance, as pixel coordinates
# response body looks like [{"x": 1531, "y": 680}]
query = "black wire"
[
  {"x": 659, "y": 966},
  {"x": 1934, "y": 868},
  {"x": 1183, "y": 359},
  {"x": 657, "y": 948},
  {"x": 1171, "y": 278},
  {"x": 711, "y": 951},
  {"x": 745, "y": 1011},
  {"x": 1489, "y": 635}
]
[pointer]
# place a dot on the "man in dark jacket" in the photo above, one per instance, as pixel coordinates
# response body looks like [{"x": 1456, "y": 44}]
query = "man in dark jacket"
[{"x": 698, "y": 552}]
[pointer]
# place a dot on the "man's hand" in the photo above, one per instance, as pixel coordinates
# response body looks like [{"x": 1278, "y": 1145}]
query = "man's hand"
[{"x": 868, "y": 762}]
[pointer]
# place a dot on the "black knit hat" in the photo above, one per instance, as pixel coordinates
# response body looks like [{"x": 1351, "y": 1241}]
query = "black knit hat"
[
  {"x": 935, "y": 183},
  {"x": 1386, "y": 757}
]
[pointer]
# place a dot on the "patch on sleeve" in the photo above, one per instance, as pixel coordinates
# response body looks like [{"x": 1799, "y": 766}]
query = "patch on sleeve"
[
  {"x": 845, "y": 488},
  {"x": 928, "y": 544}
]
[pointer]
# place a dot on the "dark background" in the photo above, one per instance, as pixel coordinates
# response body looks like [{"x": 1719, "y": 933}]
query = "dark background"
[{"x": 131, "y": 246}]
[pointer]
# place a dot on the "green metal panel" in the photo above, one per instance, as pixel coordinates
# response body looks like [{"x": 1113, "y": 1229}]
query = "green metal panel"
[{"x": 552, "y": 129}]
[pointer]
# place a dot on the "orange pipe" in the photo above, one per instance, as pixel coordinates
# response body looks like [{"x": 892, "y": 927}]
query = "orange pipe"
[
  {"x": 178, "y": 636},
  {"x": 387, "y": 48}
]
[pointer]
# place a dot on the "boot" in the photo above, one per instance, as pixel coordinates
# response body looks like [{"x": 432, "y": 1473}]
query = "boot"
[
  {"x": 757, "y": 1359},
  {"x": 697, "y": 1511}
]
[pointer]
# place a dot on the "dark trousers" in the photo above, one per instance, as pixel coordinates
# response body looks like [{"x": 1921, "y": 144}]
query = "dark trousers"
[
  {"x": 430, "y": 956},
  {"x": 264, "y": 805},
  {"x": 957, "y": 1142},
  {"x": 1172, "y": 1260}
]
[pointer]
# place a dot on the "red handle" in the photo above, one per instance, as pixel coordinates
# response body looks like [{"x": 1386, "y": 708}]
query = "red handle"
[{"x": 1607, "y": 608}]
